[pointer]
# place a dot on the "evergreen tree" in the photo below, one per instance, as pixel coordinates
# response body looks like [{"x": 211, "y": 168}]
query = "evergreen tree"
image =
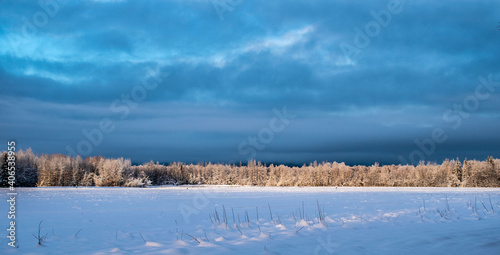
[
  {"x": 466, "y": 173},
  {"x": 491, "y": 163},
  {"x": 492, "y": 173},
  {"x": 458, "y": 170},
  {"x": 4, "y": 176},
  {"x": 454, "y": 173}
]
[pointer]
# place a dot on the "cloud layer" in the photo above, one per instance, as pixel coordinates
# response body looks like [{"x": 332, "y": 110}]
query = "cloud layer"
[{"x": 64, "y": 64}]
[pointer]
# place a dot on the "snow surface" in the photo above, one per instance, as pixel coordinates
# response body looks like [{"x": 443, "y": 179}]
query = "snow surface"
[{"x": 178, "y": 220}]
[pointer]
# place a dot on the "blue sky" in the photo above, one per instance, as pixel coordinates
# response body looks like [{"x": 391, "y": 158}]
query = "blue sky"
[{"x": 360, "y": 81}]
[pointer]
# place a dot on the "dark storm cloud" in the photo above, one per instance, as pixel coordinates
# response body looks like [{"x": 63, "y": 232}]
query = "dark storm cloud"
[{"x": 223, "y": 78}]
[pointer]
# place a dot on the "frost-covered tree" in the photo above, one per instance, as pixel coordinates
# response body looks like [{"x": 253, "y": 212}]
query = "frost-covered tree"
[
  {"x": 466, "y": 172},
  {"x": 137, "y": 181},
  {"x": 26, "y": 168},
  {"x": 456, "y": 175},
  {"x": 112, "y": 172},
  {"x": 491, "y": 173},
  {"x": 62, "y": 170}
]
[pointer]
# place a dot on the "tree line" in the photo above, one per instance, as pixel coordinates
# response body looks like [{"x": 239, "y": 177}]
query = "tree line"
[{"x": 60, "y": 170}]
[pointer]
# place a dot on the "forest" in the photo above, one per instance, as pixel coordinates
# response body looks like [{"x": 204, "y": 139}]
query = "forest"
[{"x": 34, "y": 170}]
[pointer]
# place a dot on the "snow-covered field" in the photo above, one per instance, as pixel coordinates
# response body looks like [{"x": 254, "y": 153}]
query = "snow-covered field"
[{"x": 185, "y": 220}]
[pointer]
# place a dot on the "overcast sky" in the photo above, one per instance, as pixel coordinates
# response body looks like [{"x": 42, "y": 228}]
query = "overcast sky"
[{"x": 226, "y": 81}]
